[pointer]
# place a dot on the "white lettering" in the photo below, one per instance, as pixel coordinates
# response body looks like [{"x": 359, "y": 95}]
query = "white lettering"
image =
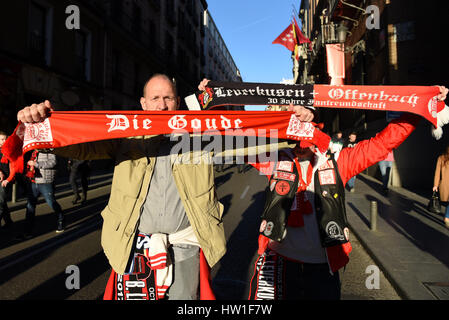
[
  {"x": 118, "y": 122},
  {"x": 373, "y": 281},
  {"x": 72, "y": 281},
  {"x": 73, "y": 20}
]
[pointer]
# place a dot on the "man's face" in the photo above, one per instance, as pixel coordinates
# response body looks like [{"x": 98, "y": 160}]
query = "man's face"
[
  {"x": 352, "y": 137},
  {"x": 159, "y": 96},
  {"x": 2, "y": 139}
]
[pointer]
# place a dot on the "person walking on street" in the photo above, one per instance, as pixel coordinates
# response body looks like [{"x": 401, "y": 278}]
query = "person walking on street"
[
  {"x": 385, "y": 169},
  {"x": 337, "y": 142},
  {"x": 160, "y": 206},
  {"x": 304, "y": 234},
  {"x": 351, "y": 143},
  {"x": 79, "y": 169},
  {"x": 441, "y": 181},
  {"x": 41, "y": 173},
  {"x": 5, "y": 184}
]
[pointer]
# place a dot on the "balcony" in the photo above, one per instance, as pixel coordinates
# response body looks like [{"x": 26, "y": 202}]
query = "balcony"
[{"x": 329, "y": 33}]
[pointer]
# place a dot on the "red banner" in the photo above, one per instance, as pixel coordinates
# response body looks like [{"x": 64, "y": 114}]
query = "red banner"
[
  {"x": 420, "y": 100},
  {"x": 64, "y": 128}
]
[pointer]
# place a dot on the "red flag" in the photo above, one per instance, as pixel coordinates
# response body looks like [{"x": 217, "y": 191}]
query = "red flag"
[
  {"x": 335, "y": 63},
  {"x": 300, "y": 37},
  {"x": 287, "y": 38}
]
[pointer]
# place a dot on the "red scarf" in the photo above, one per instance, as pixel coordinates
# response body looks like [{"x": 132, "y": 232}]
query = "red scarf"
[
  {"x": 30, "y": 170},
  {"x": 301, "y": 205},
  {"x": 420, "y": 100},
  {"x": 65, "y": 128}
]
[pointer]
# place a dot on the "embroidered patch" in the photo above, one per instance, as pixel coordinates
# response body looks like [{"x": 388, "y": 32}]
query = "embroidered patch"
[
  {"x": 285, "y": 166},
  {"x": 263, "y": 225},
  {"x": 282, "y": 187},
  {"x": 37, "y": 134},
  {"x": 327, "y": 165},
  {"x": 333, "y": 230},
  {"x": 299, "y": 130},
  {"x": 284, "y": 175},
  {"x": 269, "y": 228},
  {"x": 327, "y": 177},
  {"x": 346, "y": 232}
]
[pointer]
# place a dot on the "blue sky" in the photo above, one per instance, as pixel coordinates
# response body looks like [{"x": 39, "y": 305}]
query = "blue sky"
[{"x": 248, "y": 28}]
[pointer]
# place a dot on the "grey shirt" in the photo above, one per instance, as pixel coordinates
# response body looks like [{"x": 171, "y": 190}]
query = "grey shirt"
[
  {"x": 163, "y": 211},
  {"x": 45, "y": 167}
]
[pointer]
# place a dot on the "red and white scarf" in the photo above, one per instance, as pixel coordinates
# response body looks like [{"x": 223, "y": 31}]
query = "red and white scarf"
[
  {"x": 63, "y": 128},
  {"x": 420, "y": 100}
]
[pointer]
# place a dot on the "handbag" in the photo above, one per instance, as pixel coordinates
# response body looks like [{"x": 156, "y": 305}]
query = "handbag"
[{"x": 434, "y": 203}]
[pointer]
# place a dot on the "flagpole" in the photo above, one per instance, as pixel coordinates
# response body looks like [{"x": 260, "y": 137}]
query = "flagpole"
[{"x": 296, "y": 13}]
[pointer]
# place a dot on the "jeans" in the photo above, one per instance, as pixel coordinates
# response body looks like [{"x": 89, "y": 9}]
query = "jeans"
[
  {"x": 446, "y": 215},
  {"x": 47, "y": 191},
  {"x": 351, "y": 183},
  {"x": 82, "y": 171},
  {"x": 385, "y": 168}
]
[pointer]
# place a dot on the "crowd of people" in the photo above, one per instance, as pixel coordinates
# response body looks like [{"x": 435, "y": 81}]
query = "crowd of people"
[
  {"x": 175, "y": 227},
  {"x": 338, "y": 142},
  {"x": 38, "y": 179}
]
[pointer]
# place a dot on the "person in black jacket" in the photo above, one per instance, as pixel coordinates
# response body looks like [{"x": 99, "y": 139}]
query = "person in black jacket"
[
  {"x": 351, "y": 143},
  {"x": 81, "y": 169}
]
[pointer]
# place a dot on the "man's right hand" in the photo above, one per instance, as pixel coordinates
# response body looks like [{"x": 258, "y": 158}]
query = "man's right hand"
[{"x": 35, "y": 112}]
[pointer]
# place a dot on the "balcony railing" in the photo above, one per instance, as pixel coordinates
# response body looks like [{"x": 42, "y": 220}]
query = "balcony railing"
[{"x": 329, "y": 33}]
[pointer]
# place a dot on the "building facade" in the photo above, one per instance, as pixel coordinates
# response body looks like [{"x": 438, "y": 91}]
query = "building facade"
[
  {"x": 386, "y": 42},
  {"x": 103, "y": 62}
]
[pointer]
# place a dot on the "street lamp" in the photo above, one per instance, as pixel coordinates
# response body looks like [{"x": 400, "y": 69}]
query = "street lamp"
[{"x": 342, "y": 31}]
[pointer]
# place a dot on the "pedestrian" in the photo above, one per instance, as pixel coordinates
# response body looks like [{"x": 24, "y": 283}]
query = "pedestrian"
[
  {"x": 441, "y": 181},
  {"x": 41, "y": 172},
  {"x": 351, "y": 143},
  {"x": 306, "y": 195},
  {"x": 158, "y": 207},
  {"x": 5, "y": 184},
  {"x": 337, "y": 142},
  {"x": 385, "y": 170},
  {"x": 79, "y": 169}
]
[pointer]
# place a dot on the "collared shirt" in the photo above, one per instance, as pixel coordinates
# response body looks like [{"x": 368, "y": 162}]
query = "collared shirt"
[{"x": 163, "y": 210}]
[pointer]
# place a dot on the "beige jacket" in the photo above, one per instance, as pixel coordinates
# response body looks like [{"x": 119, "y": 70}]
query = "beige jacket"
[
  {"x": 441, "y": 178},
  {"x": 134, "y": 164}
]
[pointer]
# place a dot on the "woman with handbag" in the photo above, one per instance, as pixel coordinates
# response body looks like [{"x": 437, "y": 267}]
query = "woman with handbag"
[{"x": 441, "y": 181}]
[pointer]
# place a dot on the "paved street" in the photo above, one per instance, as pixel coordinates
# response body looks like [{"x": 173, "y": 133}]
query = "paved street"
[
  {"x": 36, "y": 268},
  {"x": 246, "y": 194}
]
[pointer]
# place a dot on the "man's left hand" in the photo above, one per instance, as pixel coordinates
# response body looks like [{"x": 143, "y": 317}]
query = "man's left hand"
[{"x": 302, "y": 113}]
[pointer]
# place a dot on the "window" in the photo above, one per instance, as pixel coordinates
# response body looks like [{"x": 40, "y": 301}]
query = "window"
[
  {"x": 136, "y": 21},
  {"x": 40, "y": 30},
  {"x": 169, "y": 44},
  {"x": 83, "y": 53},
  {"x": 117, "y": 81}
]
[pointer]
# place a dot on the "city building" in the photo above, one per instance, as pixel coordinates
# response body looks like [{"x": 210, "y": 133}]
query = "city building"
[
  {"x": 386, "y": 42},
  {"x": 103, "y": 61}
]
